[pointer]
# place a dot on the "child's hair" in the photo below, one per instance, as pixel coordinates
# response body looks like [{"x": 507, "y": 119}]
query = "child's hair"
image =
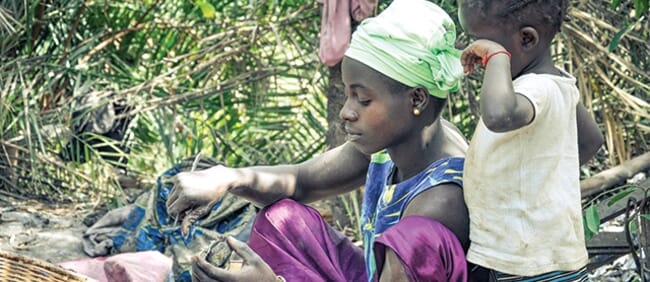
[{"x": 546, "y": 15}]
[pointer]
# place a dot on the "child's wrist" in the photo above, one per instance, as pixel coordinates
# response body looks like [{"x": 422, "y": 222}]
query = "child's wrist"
[{"x": 491, "y": 54}]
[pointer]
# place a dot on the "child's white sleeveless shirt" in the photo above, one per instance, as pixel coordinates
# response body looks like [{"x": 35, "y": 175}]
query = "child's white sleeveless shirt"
[{"x": 522, "y": 187}]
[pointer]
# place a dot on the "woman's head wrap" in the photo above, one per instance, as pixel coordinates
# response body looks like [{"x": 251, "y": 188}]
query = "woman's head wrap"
[{"x": 412, "y": 41}]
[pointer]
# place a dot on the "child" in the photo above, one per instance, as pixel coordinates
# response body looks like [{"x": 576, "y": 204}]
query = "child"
[
  {"x": 397, "y": 74},
  {"x": 521, "y": 172}
]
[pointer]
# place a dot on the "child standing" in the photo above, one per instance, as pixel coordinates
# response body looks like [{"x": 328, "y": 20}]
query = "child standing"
[{"x": 522, "y": 185}]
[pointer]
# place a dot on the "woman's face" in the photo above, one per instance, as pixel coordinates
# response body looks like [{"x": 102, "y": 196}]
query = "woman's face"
[{"x": 375, "y": 117}]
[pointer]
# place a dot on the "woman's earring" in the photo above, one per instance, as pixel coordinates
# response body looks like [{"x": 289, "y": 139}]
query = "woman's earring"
[{"x": 416, "y": 111}]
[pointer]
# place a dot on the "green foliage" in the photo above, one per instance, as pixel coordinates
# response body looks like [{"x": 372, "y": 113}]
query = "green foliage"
[
  {"x": 591, "y": 221},
  {"x": 235, "y": 79},
  {"x": 640, "y": 6},
  {"x": 206, "y": 8},
  {"x": 620, "y": 195},
  {"x": 634, "y": 220},
  {"x": 591, "y": 216},
  {"x": 617, "y": 37},
  {"x": 351, "y": 205}
]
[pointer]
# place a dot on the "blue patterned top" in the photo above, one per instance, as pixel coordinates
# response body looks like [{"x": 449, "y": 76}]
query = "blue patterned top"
[{"x": 383, "y": 203}]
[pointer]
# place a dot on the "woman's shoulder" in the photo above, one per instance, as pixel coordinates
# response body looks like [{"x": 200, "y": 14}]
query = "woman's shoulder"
[
  {"x": 444, "y": 170},
  {"x": 443, "y": 178}
]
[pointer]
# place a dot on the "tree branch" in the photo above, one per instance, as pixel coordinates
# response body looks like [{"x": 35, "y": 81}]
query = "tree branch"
[{"x": 614, "y": 176}]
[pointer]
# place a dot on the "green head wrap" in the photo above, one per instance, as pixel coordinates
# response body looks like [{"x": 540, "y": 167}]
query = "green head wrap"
[{"x": 412, "y": 41}]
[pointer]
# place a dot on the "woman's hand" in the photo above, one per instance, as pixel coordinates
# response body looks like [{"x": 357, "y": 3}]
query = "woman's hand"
[
  {"x": 254, "y": 269},
  {"x": 197, "y": 190},
  {"x": 475, "y": 52}
]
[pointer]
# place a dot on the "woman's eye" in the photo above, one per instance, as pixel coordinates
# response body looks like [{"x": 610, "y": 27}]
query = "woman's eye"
[{"x": 364, "y": 102}]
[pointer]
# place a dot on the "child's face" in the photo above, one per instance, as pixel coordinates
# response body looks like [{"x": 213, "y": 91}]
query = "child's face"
[{"x": 374, "y": 117}]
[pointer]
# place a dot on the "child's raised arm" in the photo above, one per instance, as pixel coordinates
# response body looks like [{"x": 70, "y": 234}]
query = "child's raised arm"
[{"x": 502, "y": 109}]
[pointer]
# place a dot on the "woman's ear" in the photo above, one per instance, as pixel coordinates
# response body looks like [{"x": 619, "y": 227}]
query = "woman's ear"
[
  {"x": 419, "y": 98},
  {"x": 529, "y": 37}
]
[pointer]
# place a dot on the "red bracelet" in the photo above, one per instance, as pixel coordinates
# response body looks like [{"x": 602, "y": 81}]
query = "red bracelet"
[{"x": 489, "y": 56}]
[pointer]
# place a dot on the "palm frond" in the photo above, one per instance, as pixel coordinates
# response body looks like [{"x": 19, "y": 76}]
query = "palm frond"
[{"x": 237, "y": 86}]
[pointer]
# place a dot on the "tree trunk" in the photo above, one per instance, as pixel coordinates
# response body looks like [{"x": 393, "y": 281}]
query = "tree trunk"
[
  {"x": 341, "y": 218},
  {"x": 335, "y": 100}
]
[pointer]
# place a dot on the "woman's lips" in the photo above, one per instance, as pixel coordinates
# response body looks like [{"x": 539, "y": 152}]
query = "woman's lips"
[
  {"x": 353, "y": 137},
  {"x": 352, "y": 134}
]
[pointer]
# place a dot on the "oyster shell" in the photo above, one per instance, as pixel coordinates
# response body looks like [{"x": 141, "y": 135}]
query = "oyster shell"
[{"x": 218, "y": 253}]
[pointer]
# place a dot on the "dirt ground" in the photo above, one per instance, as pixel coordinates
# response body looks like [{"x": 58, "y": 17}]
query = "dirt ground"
[
  {"x": 49, "y": 232},
  {"x": 53, "y": 232}
]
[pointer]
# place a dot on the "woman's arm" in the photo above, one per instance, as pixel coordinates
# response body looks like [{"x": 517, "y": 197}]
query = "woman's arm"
[{"x": 335, "y": 171}]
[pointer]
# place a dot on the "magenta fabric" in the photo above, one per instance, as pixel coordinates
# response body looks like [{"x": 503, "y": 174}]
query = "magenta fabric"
[
  {"x": 335, "y": 31},
  {"x": 298, "y": 245},
  {"x": 336, "y": 26},
  {"x": 428, "y": 250},
  {"x": 147, "y": 266}
]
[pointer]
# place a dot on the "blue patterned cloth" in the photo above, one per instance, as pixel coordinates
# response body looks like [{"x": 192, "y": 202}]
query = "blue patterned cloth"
[
  {"x": 149, "y": 227},
  {"x": 384, "y": 203}
]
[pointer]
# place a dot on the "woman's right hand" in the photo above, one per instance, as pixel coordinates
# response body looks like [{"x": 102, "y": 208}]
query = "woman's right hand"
[{"x": 199, "y": 189}]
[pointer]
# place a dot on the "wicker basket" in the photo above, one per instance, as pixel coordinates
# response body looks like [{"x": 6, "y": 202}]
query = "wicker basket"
[{"x": 15, "y": 267}]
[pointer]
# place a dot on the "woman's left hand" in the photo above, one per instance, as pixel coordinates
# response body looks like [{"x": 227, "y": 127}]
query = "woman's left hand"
[{"x": 253, "y": 270}]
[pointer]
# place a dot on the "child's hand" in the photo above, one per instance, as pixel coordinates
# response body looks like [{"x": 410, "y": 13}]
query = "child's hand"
[{"x": 475, "y": 52}]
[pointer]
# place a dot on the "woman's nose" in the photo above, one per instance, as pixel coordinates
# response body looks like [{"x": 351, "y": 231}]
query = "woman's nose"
[{"x": 347, "y": 113}]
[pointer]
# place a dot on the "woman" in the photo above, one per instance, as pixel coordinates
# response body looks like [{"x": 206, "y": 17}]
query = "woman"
[{"x": 397, "y": 73}]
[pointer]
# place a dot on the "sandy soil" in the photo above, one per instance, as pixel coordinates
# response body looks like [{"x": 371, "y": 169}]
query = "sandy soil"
[{"x": 49, "y": 232}]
